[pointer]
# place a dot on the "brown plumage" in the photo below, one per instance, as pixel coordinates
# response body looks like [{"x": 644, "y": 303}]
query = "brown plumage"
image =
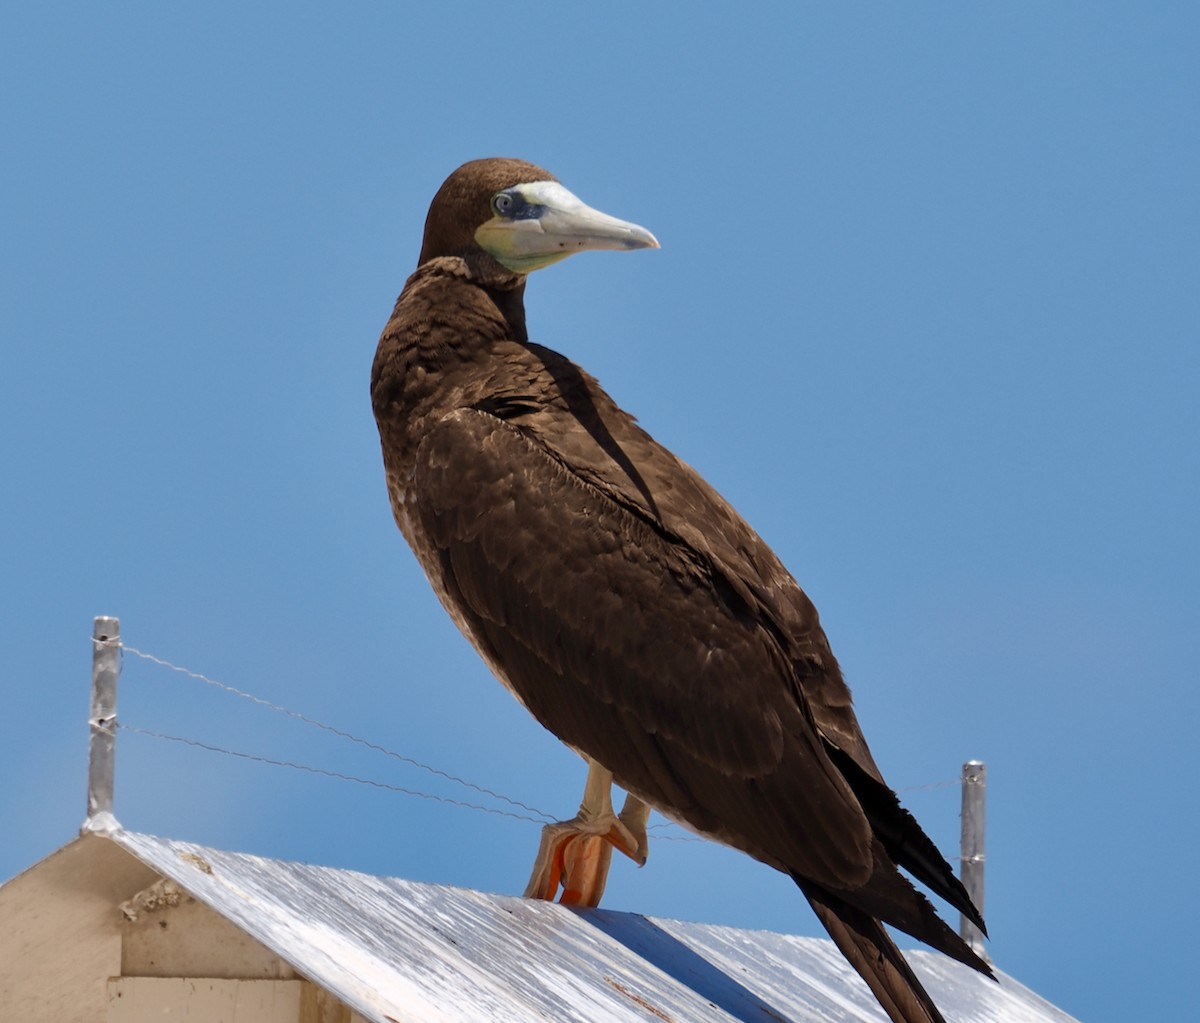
[{"x": 625, "y": 603}]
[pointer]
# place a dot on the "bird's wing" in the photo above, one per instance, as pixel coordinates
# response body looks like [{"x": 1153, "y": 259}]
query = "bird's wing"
[
  {"x": 627, "y": 642},
  {"x": 605, "y": 445},
  {"x": 597, "y": 441}
]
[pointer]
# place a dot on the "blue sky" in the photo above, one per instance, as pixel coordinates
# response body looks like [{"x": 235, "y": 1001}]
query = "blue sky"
[{"x": 925, "y": 312}]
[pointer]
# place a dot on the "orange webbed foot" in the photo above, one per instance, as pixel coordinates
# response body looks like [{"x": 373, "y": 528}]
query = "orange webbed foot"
[{"x": 576, "y": 854}]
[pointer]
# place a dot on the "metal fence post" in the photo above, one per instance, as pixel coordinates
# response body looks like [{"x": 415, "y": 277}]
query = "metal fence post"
[
  {"x": 974, "y": 791},
  {"x": 106, "y": 650}
]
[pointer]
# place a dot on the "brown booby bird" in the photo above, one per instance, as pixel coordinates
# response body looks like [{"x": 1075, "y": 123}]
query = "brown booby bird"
[{"x": 623, "y": 601}]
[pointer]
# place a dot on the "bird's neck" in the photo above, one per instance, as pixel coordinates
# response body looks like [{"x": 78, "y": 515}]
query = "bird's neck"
[
  {"x": 511, "y": 304},
  {"x": 505, "y": 289},
  {"x": 484, "y": 298},
  {"x": 447, "y": 324}
]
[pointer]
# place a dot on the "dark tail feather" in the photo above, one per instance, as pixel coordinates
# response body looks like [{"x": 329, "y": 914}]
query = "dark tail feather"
[
  {"x": 890, "y": 897},
  {"x": 864, "y": 942},
  {"x": 902, "y": 837}
]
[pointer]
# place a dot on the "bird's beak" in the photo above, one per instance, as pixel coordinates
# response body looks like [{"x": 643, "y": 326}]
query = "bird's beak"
[{"x": 544, "y": 223}]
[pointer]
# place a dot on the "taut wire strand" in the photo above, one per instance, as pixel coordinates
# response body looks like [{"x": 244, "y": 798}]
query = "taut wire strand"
[
  {"x": 328, "y": 774},
  {"x": 341, "y": 733},
  {"x": 341, "y": 776},
  {"x": 945, "y": 784}
]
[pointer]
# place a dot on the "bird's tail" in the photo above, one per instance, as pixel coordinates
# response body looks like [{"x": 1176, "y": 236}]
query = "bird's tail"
[{"x": 864, "y": 942}]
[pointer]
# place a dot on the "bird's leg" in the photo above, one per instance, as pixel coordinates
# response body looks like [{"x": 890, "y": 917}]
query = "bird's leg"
[{"x": 576, "y": 853}]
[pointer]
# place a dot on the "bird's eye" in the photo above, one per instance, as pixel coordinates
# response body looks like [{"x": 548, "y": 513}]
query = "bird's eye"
[{"x": 503, "y": 204}]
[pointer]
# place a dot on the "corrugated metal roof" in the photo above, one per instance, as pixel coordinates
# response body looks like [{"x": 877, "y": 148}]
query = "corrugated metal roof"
[{"x": 399, "y": 952}]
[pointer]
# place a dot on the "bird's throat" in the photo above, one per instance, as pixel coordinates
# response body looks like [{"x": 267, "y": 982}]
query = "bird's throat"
[{"x": 510, "y": 302}]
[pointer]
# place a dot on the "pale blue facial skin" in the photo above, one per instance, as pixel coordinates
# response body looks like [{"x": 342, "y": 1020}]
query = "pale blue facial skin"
[{"x": 536, "y": 224}]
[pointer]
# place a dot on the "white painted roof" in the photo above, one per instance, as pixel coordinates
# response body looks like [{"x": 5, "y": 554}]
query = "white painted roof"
[{"x": 403, "y": 952}]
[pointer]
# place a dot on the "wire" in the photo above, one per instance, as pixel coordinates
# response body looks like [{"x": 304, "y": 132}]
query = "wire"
[
  {"x": 341, "y": 733},
  {"x": 341, "y": 776},
  {"x": 327, "y": 773},
  {"x": 539, "y": 816},
  {"x": 947, "y": 783}
]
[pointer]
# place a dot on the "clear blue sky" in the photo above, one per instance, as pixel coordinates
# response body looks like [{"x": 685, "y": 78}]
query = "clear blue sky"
[{"x": 926, "y": 312}]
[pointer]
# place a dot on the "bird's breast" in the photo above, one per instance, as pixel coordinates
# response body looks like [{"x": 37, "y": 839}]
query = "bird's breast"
[{"x": 403, "y": 497}]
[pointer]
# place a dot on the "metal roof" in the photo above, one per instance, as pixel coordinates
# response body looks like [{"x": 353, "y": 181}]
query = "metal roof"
[{"x": 400, "y": 951}]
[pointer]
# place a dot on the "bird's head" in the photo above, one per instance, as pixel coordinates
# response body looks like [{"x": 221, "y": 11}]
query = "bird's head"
[{"x": 520, "y": 216}]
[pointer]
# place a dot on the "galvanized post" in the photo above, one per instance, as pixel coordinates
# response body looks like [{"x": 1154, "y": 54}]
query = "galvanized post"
[
  {"x": 106, "y": 648},
  {"x": 974, "y": 790}
]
